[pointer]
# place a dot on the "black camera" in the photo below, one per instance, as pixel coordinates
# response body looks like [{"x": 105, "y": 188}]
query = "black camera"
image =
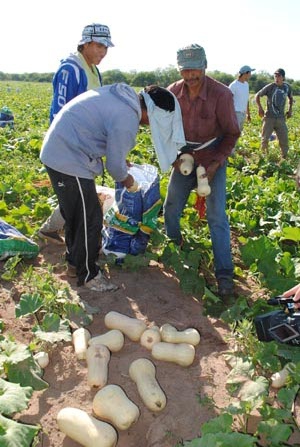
[{"x": 280, "y": 325}]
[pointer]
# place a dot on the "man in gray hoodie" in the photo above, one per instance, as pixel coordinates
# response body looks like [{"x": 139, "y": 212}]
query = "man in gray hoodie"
[{"x": 101, "y": 123}]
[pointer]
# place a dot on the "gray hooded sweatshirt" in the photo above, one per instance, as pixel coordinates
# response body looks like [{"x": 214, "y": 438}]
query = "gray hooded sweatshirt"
[{"x": 98, "y": 123}]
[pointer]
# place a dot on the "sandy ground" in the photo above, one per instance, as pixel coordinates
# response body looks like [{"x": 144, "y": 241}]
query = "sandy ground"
[{"x": 153, "y": 295}]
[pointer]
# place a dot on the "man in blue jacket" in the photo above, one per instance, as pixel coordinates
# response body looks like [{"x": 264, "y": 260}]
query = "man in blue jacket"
[{"x": 76, "y": 74}]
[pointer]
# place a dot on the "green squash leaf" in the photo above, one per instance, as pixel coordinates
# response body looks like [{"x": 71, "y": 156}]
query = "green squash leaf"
[
  {"x": 15, "y": 434},
  {"x": 13, "y": 397}
]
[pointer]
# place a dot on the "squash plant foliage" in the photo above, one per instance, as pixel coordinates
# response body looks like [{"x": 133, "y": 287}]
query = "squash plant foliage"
[{"x": 264, "y": 211}]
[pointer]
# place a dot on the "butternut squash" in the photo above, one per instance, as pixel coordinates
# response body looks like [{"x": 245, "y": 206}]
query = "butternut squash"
[
  {"x": 181, "y": 353},
  {"x": 80, "y": 338},
  {"x": 97, "y": 357},
  {"x": 113, "y": 340},
  {"x": 171, "y": 335},
  {"x": 186, "y": 164},
  {"x": 279, "y": 379},
  {"x": 112, "y": 405},
  {"x": 132, "y": 327},
  {"x": 150, "y": 336},
  {"x": 203, "y": 188},
  {"x": 42, "y": 358},
  {"x": 142, "y": 371},
  {"x": 85, "y": 429}
]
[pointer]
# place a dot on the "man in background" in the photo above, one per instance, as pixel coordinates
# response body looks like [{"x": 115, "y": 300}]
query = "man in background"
[
  {"x": 274, "y": 118},
  {"x": 240, "y": 91},
  {"x": 76, "y": 74}
]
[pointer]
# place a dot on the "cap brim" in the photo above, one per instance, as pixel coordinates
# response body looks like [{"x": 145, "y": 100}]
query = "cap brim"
[
  {"x": 191, "y": 66},
  {"x": 247, "y": 71},
  {"x": 103, "y": 40}
]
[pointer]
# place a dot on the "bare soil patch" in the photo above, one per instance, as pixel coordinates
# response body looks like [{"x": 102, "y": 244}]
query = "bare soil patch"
[{"x": 153, "y": 295}]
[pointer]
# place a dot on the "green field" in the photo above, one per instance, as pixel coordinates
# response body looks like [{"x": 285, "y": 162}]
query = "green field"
[{"x": 263, "y": 209}]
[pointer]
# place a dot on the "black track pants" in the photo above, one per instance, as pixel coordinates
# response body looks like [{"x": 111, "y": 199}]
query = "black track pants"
[{"x": 79, "y": 206}]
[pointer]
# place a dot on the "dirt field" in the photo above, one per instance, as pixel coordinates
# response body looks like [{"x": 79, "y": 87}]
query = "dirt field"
[{"x": 154, "y": 296}]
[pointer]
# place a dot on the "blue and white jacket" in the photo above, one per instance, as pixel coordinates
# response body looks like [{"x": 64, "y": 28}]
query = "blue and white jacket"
[{"x": 68, "y": 82}]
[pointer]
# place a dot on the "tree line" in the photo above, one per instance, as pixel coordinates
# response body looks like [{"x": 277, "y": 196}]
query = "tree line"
[{"x": 162, "y": 77}]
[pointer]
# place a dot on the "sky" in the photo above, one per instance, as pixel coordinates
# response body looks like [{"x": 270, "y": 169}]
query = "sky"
[{"x": 36, "y": 34}]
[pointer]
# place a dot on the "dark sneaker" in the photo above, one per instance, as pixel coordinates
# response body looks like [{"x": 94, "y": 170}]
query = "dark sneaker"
[
  {"x": 100, "y": 284},
  {"x": 71, "y": 271},
  {"x": 52, "y": 236},
  {"x": 225, "y": 287}
]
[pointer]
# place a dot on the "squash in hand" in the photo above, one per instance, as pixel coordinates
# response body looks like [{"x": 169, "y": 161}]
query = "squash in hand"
[
  {"x": 142, "y": 372},
  {"x": 112, "y": 405},
  {"x": 171, "y": 335},
  {"x": 203, "y": 188},
  {"x": 186, "y": 164},
  {"x": 113, "y": 339},
  {"x": 181, "y": 353},
  {"x": 97, "y": 357},
  {"x": 86, "y": 430},
  {"x": 132, "y": 327}
]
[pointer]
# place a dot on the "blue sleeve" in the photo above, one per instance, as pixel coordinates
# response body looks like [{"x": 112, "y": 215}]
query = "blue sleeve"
[{"x": 68, "y": 82}]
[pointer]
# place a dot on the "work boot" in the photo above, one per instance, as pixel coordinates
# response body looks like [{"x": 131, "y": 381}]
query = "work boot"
[{"x": 225, "y": 287}]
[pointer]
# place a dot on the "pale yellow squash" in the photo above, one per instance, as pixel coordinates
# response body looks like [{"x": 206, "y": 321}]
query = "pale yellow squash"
[
  {"x": 80, "y": 338},
  {"x": 42, "y": 358},
  {"x": 132, "y": 327},
  {"x": 112, "y": 405},
  {"x": 203, "y": 188},
  {"x": 113, "y": 339},
  {"x": 142, "y": 371},
  {"x": 85, "y": 429},
  {"x": 280, "y": 378},
  {"x": 187, "y": 164},
  {"x": 171, "y": 335},
  {"x": 181, "y": 353},
  {"x": 150, "y": 336},
  {"x": 97, "y": 357}
]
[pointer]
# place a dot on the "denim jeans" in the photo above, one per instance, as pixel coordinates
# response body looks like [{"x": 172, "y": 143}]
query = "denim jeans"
[{"x": 179, "y": 189}]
